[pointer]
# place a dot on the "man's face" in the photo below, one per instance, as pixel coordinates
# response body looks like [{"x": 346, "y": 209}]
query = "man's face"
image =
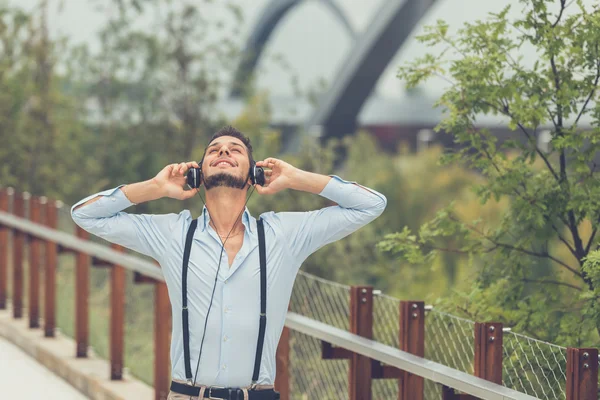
[{"x": 226, "y": 163}]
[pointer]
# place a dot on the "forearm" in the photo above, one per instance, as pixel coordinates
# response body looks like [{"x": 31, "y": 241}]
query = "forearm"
[
  {"x": 137, "y": 193},
  {"x": 309, "y": 181},
  {"x": 313, "y": 183}
]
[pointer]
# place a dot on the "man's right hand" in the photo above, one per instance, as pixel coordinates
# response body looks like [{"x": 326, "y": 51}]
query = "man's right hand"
[{"x": 171, "y": 180}]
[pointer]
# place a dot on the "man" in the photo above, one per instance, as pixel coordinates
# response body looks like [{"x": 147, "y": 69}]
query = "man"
[{"x": 228, "y": 337}]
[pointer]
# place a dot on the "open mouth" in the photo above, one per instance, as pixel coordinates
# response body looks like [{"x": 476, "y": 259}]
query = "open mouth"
[{"x": 223, "y": 164}]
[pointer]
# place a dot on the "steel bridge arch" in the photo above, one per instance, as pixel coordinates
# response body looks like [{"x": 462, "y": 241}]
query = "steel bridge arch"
[
  {"x": 271, "y": 15},
  {"x": 338, "y": 108}
]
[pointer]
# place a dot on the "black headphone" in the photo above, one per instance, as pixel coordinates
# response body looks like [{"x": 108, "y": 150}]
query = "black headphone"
[{"x": 256, "y": 174}]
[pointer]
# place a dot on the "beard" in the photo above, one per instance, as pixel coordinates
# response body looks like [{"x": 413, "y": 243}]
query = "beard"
[{"x": 223, "y": 179}]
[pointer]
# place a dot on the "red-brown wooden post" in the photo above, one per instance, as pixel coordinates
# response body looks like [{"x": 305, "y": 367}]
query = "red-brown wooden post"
[
  {"x": 82, "y": 290},
  {"x": 117, "y": 318},
  {"x": 18, "y": 241},
  {"x": 582, "y": 374},
  {"x": 34, "y": 265},
  {"x": 487, "y": 360},
  {"x": 162, "y": 329},
  {"x": 4, "y": 193},
  {"x": 361, "y": 323},
  {"x": 282, "y": 377},
  {"x": 51, "y": 260},
  {"x": 488, "y": 351},
  {"x": 412, "y": 340}
]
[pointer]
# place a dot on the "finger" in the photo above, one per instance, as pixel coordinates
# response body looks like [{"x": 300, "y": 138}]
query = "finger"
[
  {"x": 181, "y": 168},
  {"x": 267, "y": 162},
  {"x": 271, "y": 162},
  {"x": 188, "y": 194},
  {"x": 173, "y": 169},
  {"x": 192, "y": 164},
  {"x": 262, "y": 189},
  {"x": 268, "y": 173}
]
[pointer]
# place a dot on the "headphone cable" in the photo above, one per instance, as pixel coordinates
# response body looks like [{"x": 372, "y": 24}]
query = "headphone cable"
[{"x": 216, "y": 279}]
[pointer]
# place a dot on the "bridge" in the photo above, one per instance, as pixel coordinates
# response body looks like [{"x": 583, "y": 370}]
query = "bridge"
[{"x": 339, "y": 341}]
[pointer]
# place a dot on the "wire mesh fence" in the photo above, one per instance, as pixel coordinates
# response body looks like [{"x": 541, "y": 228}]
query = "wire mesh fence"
[
  {"x": 322, "y": 300},
  {"x": 449, "y": 340},
  {"x": 386, "y": 322},
  {"x": 534, "y": 367},
  {"x": 310, "y": 375}
]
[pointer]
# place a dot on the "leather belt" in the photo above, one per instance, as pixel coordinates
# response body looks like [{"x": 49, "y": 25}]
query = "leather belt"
[{"x": 213, "y": 392}]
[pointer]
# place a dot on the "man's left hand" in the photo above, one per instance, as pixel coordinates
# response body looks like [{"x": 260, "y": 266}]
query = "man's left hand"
[{"x": 279, "y": 175}]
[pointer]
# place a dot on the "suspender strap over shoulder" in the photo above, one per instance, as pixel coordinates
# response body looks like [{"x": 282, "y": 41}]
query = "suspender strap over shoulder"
[
  {"x": 263, "y": 299},
  {"x": 184, "y": 309}
]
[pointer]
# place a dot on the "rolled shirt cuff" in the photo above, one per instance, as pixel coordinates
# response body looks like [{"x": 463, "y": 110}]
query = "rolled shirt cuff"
[{"x": 112, "y": 201}]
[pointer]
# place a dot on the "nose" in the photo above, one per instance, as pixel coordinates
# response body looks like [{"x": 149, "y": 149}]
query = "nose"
[{"x": 223, "y": 149}]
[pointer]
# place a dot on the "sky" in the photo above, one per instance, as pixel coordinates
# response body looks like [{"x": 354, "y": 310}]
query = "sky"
[{"x": 309, "y": 38}]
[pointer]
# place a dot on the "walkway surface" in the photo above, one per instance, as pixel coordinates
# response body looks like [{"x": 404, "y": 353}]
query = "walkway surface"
[{"x": 21, "y": 377}]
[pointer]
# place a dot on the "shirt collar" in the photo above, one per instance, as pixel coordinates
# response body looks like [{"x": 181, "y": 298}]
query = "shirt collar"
[{"x": 247, "y": 220}]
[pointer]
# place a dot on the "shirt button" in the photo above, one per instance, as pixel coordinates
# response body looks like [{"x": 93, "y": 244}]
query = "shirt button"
[
  {"x": 225, "y": 280},
  {"x": 224, "y": 367},
  {"x": 227, "y": 309},
  {"x": 113, "y": 199},
  {"x": 225, "y": 338}
]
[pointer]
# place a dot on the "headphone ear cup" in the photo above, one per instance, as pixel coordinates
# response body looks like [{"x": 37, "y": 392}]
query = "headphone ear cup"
[
  {"x": 259, "y": 177},
  {"x": 194, "y": 178}
]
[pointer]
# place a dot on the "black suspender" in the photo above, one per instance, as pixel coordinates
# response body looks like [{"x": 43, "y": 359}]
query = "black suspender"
[
  {"x": 184, "y": 307},
  {"x": 263, "y": 299}
]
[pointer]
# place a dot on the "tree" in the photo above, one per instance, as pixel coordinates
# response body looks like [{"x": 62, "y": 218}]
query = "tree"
[
  {"x": 531, "y": 271},
  {"x": 39, "y": 125},
  {"x": 153, "y": 88}
]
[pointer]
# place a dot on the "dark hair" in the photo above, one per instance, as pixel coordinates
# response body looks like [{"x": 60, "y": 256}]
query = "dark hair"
[{"x": 231, "y": 131}]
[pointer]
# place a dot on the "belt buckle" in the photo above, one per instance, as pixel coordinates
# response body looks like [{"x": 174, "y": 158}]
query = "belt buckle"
[{"x": 210, "y": 392}]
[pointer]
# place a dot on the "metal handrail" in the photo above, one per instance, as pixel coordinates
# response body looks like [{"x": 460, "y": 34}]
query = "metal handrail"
[
  {"x": 377, "y": 351},
  {"x": 405, "y": 361},
  {"x": 69, "y": 241}
]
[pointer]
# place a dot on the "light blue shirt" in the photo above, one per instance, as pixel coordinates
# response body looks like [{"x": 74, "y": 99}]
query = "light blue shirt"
[{"x": 231, "y": 335}]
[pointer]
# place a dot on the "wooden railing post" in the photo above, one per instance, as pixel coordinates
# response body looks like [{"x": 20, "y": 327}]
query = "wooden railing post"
[
  {"x": 488, "y": 351},
  {"x": 82, "y": 289},
  {"x": 18, "y": 241},
  {"x": 162, "y": 329},
  {"x": 117, "y": 318},
  {"x": 412, "y": 340},
  {"x": 4, "y": 193},
  {"x": 487, "y": 359},
  {"x": 361, "y": 323},
  {"x": 51, "y": 260},
  {"x": 582, "y": 374},
  {"x": 362, "y": 369},
  {"x": 282, "y": 377},
  {"x": 34, "y": 265}
]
